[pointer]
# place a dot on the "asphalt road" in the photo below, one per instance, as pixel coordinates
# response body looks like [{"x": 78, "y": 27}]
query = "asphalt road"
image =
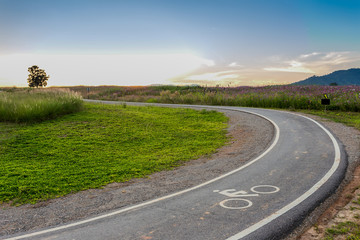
[{"x": 264, "y": 199}]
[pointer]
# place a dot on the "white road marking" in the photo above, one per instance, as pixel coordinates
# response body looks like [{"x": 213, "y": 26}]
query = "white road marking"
[
  {"x": 297, "y": 201},
  {"x": 276, "y": 139},
  {"x": 276, "y": 189},
  {"x": 233, "y": 193},
  {"x": 237, "y": 195},
  {"x": 249, "y": 203}
]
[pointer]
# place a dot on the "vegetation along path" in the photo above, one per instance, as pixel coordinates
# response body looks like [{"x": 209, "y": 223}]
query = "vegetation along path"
[
  {"x": 245, "y": 132},
  {"x": 312, "y": 163}
]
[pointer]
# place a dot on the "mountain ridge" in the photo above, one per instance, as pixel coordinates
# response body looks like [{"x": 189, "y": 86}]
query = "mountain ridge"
[{"x": 341, "y": 77}]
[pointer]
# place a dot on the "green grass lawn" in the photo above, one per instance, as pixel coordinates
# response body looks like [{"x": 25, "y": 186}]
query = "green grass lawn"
[
  {"x": 351, "y": 119},
  {"x": 100, "y": 145}
]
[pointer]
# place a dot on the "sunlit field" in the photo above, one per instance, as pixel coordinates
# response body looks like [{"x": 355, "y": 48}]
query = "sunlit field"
[
  {"x": 343, "y": 98},
  {"x": 100, "y": 145}
]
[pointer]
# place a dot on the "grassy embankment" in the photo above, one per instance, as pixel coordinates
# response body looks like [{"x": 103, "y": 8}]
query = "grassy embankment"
[{"x": 99, "y": 145}]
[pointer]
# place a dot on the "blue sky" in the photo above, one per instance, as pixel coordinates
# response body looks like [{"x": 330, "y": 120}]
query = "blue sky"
[{"x": 213, "y": 42}]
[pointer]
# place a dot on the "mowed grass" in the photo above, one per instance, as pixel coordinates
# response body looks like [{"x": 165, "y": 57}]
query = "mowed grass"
[
  {"x": 35, "y": 105},
  {"x": 100, "y": 145}
]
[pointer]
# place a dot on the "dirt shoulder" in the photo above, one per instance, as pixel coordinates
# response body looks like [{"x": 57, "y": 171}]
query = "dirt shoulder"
[{"x": 250, "y": 135}]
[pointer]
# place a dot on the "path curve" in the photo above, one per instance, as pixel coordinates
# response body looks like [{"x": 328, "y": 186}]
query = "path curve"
[{"x": 305, "y": 162}]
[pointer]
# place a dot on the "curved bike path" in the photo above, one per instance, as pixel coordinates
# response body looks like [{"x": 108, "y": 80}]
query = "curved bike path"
[{"x": 264, "y": 199}]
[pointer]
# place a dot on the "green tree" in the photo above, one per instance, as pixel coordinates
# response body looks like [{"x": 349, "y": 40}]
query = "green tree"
[
  {"x": 333, "y": 84},
  {"x": 37, "y": 77}
]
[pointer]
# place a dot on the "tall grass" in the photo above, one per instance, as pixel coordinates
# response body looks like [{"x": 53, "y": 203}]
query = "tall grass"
[
  {"x": 38, "y": 105},
  {"x": 343, "y": 98}
]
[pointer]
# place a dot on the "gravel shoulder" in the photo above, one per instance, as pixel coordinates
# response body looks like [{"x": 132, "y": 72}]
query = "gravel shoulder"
[{"x": 250, "y": 135}]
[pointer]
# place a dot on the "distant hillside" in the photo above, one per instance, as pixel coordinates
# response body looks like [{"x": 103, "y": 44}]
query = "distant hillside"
[{"x": 342, "y": 77}]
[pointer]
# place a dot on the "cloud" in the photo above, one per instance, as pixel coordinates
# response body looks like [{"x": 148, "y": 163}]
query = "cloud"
[
  {"x": 294, "y": 66},
  {"x": 304, "y": 56},
  {"x": 317, "y": 62},
  {"x": 216, "y": 76},
  {"x": 234, "y": 64}
]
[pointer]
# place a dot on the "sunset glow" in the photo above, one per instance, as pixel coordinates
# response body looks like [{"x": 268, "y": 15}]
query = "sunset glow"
[
  {"x": 129, "y": 69},
  {"x": 209, "y": 42}
]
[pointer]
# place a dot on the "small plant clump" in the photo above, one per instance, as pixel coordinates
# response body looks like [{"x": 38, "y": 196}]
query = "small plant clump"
[
  {"x": 349, "y": 230},
  {"x": 357, "y": 201}
]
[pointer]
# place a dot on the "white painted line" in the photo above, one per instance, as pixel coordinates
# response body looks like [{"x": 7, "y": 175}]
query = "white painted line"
[
  {"x": 276, "y": 139},
  {"x": 233, "y": 193},
  {"x": 237, "y": 196},
  {"x": 276, "y": 189},
  {"x": 302, "y": 197},
  {"x": 248, "y": 202}
]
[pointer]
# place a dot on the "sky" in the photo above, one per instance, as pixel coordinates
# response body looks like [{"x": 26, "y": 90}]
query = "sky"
[{"x": 179, "y": 42}]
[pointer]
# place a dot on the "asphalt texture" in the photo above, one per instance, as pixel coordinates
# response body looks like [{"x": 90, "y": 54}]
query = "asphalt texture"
[{"x": 264, "y": 199}]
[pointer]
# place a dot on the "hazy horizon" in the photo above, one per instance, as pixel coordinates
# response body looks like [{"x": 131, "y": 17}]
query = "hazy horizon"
[{"x": 227, "y": 43}]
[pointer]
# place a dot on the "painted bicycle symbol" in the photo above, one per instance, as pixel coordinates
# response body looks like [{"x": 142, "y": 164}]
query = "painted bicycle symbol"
[{"x": 236, "y": 200}]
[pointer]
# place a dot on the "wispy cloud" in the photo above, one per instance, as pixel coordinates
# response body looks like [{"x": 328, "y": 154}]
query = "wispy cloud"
[
  {"x": 264, "y": 73},
  {"x": 215, "y": 76},
  {"x": 292, "y": 66},
  {"x": 305, "y": 56},
  {"x": 316, "y": 62},
  {"x": 235, "y": 64}
]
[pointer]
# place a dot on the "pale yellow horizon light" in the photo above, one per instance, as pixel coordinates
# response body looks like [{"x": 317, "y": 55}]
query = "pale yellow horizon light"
[{"x": 117, "y": 69}]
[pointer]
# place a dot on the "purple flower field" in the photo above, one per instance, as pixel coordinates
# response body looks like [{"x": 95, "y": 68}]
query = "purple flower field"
[{"x": 342, "y": 98}]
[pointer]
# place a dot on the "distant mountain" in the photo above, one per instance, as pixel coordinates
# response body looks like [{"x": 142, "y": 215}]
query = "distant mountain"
[{"x": 342, "y": 77}]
